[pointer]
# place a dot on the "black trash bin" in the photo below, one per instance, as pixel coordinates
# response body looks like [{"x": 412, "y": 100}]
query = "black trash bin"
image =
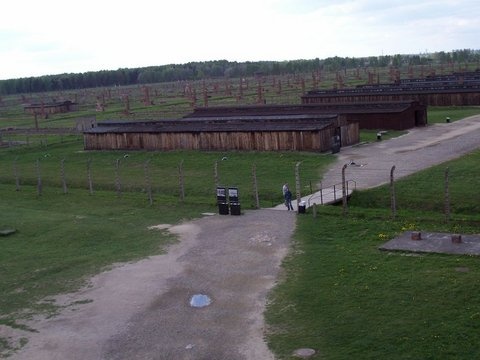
[
  {"x": 223, "y": 208},
  {"x": 222, "y": 201},
  {"x": 235, "y": 209},
  {"x": 302, "y": 207},
  {"x": 234, "y": 202}
]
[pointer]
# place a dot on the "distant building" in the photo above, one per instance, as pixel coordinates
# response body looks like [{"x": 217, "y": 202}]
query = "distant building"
[
  {"x": 394, "y": 115},
  {"x": 85, "y": 123},
  {"x": 46, "y": 109},
  {"x": 458, "y": 89}
]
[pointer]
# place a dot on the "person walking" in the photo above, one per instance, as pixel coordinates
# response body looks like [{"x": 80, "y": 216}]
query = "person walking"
[{"x": 288, "y": 199}]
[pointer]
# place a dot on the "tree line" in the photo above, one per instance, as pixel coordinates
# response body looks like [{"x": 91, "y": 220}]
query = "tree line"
[{"x": 221, "y": 68}]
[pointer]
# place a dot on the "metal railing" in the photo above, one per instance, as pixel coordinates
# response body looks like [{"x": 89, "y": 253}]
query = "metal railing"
[{"x": 332, "y": 194}]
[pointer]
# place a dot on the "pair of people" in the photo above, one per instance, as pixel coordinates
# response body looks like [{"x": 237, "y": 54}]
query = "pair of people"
[{"x": 287, "y": 194}]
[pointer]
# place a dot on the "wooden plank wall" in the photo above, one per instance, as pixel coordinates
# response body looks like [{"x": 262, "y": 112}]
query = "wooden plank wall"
[
  {"x": 350, "y": 134},
  {"x": 434, "y": 99},
  {"x": 317, "y": 141}
]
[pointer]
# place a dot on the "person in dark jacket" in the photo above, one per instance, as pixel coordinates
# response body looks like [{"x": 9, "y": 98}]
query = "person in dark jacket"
[{"x": 288, "y": 199}]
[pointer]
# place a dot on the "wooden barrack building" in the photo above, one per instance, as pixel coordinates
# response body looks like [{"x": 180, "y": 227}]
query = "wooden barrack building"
[
  {"x": 50, "y": 108},
  {"x": 457, "y": 89},
  {"x": 304, "y": 132},
  {"x": 398, "y": 115}
]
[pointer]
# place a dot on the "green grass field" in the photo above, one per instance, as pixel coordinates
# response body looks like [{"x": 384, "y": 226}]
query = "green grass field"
[
  {"x": 339, "y": 294},
  {"x": 439, "y": 114},
  {"x": 348, "y": 300},
  {"x": 63, "y": 238}
]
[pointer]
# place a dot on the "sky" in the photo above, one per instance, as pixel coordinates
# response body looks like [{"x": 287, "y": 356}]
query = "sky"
[{"x": 56, "y": 36}]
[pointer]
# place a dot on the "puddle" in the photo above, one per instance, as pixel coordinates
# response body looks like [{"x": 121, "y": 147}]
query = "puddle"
[
  {"x": 304, "y": 353},
  {"x": 159, "y": 227},
  {"x": 208, "y": 214},
  {"x": 200, "y": 301}
]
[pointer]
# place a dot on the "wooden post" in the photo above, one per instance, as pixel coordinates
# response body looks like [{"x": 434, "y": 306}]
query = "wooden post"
[
  {"x": 416, "y": 235},
  {"x": 297, "y": 183},
  {"x": 240, "y": 89},
  {"x": 194, "y": 97},
  {"x": 39, "y": 178},
  {"x": 15, "y": 173},
  {"x": 255, "y": 186},
  {"x": 127, "y": 105},
  {"x": 205, "y": 97},
  {"x": 62, "y": 174},
  {"x": 146, "y": 100},
  {"x": 393, "y": 202},
  {"x": 344, "y": 191},
  {"x": 314, "y": 210},
  {"x": 36, "y": 120},
  {"x": 447, "y": 196},
  {"x": 456, "y": 238},
  {"x": 148, "y": 183},
  {"x": 259, "y": 93},
  {"x": 228, "y": 90},
  {"x": 181, "y": 181},
  {"x": 89, "y": 176}
]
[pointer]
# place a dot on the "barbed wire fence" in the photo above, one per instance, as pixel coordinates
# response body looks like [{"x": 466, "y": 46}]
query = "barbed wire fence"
[{"x": 123, "y": 175}]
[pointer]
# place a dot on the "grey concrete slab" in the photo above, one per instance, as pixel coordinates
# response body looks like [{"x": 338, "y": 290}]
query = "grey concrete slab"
[{"x": 434, "y": 243}]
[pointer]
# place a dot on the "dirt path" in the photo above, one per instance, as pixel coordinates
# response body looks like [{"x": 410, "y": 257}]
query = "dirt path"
[
  {"x": 142, "y": 310},
  {"x": 419, "y": 149}
]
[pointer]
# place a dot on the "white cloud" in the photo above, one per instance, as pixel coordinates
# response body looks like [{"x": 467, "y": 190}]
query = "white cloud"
[{"x": 49, "y": 37}]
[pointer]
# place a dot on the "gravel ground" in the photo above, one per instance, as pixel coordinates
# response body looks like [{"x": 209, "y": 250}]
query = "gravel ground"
[
  {"x": 421, "y": 148},
  {"x": 141, "y": 310}
]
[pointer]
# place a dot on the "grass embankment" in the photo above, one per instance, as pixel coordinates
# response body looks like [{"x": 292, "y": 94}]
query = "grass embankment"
[
  {"x": 436, "y": 114},
  {"x": 63, "y": 238},
  {"x": 439, "y": 114},
  {"x": 348, "y": 300}
]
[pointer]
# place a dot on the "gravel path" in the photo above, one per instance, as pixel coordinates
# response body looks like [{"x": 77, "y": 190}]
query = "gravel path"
[
  {"x": 141, "y": 310},
  {"x": 421, "y": 148}
]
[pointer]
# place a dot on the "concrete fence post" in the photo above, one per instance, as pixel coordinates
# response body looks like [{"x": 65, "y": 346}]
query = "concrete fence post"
[
  {"x": 16, "y": 174},
  {"x": 255, "y": 186},
  {"x": 297, "y": 183},
  {"x": 39, "y": 177},
  {"x": 62, "y": 174},
  {"x": 447, "y": 196},
  {"x": 89, "y": 176},
  {"x": 118, "y": 184},
  {"x": 393, "y": 201},
  {"x": 344, "y": 191},
  {"x": 148, "y": 183},
  {"x": 215, "y": 174},
  {"x": 181, "y": 182}
]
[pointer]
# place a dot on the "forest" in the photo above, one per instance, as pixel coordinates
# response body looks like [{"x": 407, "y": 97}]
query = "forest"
[{"x": 222, "y": 69}]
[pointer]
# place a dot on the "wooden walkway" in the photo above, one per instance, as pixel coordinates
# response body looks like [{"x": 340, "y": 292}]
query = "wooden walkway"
[{"x": 325, "y": 196}]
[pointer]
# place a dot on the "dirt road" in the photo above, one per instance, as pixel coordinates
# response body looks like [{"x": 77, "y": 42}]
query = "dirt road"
[
  {"x": 421, "y": 148},
  {"x": 142, "y": 311}
]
